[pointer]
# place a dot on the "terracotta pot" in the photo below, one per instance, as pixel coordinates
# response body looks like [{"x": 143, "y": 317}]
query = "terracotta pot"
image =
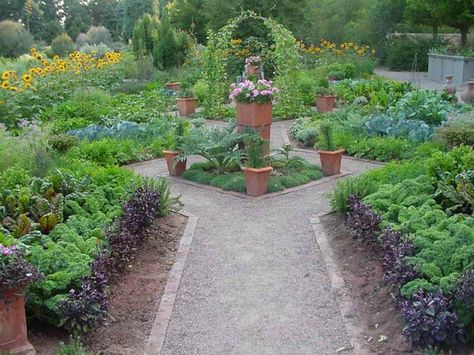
[
  {"x": 256, "y": 180},
  {"x": 449, "y": 87},
  {"x": 13, "y": 336},
  {"x": 175, "y": 167},
  {"x": 468, "y": 96},
  {"x": 186, "y": 107},
  {"x": 173, "y": 86},
  {"x": 325, "y": 103},
  {"x": 254, "y": 115},
  {"x": 331, "y": 161},
  {"x": 253, "y": 69}
]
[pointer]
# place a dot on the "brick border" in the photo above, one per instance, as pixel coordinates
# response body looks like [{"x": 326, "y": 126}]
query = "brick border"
[
  {"x": 157, "y": 335},
  {"x": 344, "y": 301}
]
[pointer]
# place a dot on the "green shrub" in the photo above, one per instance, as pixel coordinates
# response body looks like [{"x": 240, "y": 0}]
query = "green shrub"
[
  {"x": 401, "y": 53},
  {"x": 62, "y": 142},
  {"x": 62, "y": 45},
  {"x": 99, "y": 34},
  {"x": 14, "y": 39},
  {"x": 457, "y": 132}
]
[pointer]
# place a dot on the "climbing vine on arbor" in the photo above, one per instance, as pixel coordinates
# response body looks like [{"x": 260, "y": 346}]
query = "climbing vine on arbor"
[{"x": 286, "y": 58}]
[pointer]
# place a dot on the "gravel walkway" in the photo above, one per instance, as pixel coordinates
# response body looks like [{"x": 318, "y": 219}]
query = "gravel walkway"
[
  {"x": 419, "y": 79},
  {"x": 255, "y": 280}
]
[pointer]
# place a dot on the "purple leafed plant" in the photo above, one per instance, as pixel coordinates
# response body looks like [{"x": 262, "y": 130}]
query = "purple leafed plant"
[
  {"x": 362, "y": 221},
  {"x": 15, "y": 271},
  {"x": 396, "y": 248},
  {"x": 430, "y": 320},
  {"x": 465, "y": 289},
  {"x": 84, "y": 309}
]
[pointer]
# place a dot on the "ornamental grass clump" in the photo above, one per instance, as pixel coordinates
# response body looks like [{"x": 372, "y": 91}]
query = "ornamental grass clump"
[
  {"x": 15, "y": 272},
  {"x": 249, "y": 92},
  {"x": 362, "y": 221}
]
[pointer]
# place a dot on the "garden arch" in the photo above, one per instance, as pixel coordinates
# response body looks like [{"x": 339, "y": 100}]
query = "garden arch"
[{"x": 286, "y": 57}]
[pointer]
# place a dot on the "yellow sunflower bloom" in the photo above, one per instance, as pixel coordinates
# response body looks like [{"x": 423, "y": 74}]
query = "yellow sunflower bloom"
[
  {"x": 5, "y": 75},
  {"x": 26, "y": 77},
  {"x": 5, "y": 84}
]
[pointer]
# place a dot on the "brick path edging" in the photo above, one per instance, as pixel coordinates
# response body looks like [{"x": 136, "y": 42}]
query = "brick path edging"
[
  {"x": 158, "y": 330},
  {"x": 344, "y": 301}
]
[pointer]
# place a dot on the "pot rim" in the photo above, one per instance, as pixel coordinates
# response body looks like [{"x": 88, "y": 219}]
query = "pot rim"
[
  {"x": 186, "y": 98},
  {"x": 332, "y": 152},
  {"x": 331, "y": 95},
  {"x": 257, "y": 170},
  {"x": 171, "y": 152}
]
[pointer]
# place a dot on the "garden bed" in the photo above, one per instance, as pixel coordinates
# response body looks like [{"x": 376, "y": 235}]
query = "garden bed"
[
  {"x": 361, "y": 267},
  {"x": 287, "y": 173},
  {"x": 134, "y": 298}
]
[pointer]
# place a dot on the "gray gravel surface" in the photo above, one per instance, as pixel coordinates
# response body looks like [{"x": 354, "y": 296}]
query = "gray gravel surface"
[{"x": 255, "y": 280}]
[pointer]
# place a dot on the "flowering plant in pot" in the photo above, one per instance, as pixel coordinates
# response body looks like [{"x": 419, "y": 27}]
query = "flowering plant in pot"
[
  {"x": 329, "y": 155},
  {"x": 187, "y": 102},
  {"x": 256, "y": 169},
  {"x": 325, "y": 98},
  {"x": 15, "y": 275},
  {"x": 254, "y": 102},
  {"x": 252, "y": 65},
  {"x": 176, "y": 165}
]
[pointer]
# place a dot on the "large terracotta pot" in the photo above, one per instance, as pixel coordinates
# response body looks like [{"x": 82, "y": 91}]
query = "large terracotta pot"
[
  {"x": 186, "y": 107},
  {"x": 13, "y": 336},
  {"x": 468, "y": 96},
  {"x": 176, "y": 86},
  {"x": 256, "y": 180},
  {"x": 258, "y": 117},
  {"x": 253, "y": 69},
  {"x": 331, "y": 161},
  {"x": 175, "y": 167},
  {"x": 325, "y": 103}
]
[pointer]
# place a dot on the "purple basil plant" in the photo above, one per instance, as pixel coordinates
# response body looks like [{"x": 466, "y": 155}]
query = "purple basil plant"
[
  {"x": 430, "y": 320},
  {"x": 396, "y": 248},
  {"x": 363, "y": 222},
  {"x": 85, "y": 308},
  {"x": 15, "y": 272}
]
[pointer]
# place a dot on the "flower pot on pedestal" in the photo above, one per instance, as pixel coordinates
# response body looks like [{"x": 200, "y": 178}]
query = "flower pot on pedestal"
[
  {"x": 13, "y": 336},
  {"x": 176, "y": 86}
]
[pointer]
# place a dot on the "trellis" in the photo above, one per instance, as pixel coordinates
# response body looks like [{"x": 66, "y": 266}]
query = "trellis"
[{"x": 285, "y": 55}]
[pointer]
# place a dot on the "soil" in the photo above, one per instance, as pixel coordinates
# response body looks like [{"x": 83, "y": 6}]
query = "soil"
[
  {"x": 134, "y": 297},
  {"x": 376, "y": 316}
]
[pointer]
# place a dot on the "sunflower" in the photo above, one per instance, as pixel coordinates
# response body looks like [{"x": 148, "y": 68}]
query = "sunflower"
[
  {"x": 56, "y": 57},
  {"x": 26, "y": 77},
  {"x": 26, "y": 85},
  {"x": 5, "y": 75},
  {"x": 5, "y": 85},
  {"x": 39, "y": 57}
]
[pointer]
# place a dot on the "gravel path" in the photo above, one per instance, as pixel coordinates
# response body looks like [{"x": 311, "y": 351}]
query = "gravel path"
[
  {"x": 255, "y": 280},
  {"x": 419, "y": 79}
]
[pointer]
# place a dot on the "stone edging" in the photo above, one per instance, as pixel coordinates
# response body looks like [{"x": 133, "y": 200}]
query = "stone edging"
[
  {"x": 268, "y": 195},
  {"x": 157, "y": 335},
  {"x": 344, "y": 301}
]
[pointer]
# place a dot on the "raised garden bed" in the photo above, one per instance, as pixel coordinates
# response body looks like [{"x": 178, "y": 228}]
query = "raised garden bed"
[
  {"x": 134, "y": 297},
  {"x": 286, "y": 174},
  {"x": 440, "y": 65}
]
